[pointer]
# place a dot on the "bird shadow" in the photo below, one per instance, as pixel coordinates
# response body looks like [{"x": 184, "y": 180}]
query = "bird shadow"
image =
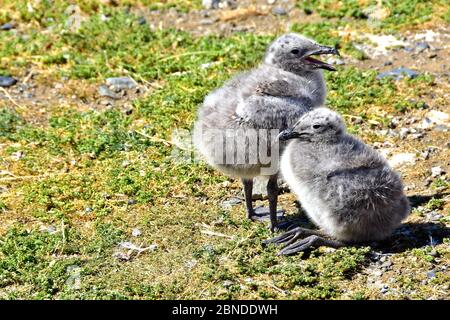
[
  {"x": 408, "y": 236},
  {"x": 412, "y": 235}
]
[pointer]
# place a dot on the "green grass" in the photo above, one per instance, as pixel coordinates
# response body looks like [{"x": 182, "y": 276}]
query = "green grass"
[
  {"x": 397, "y": 15},
  {"x": 87, "y": 178}
]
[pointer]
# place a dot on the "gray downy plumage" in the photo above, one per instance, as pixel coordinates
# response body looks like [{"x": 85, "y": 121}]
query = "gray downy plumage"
[
  {"x": 345, "y": 187},
  {"x": 287, "y": 84}
]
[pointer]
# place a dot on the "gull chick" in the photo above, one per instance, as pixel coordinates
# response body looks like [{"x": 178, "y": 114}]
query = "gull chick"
[
  {"x": 272, "y": 96},
  {"x": 346, "y": 188}
]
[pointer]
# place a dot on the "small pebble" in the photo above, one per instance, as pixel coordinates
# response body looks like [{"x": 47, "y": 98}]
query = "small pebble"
[
  {"x": 88, "y": 210},
  {"x": 7, "y": 81},
  {"x": 441, "y": 128},
  {"x": 404, "y": 132},
  {"x": 436, "y": 171},
  {"x": 207, "y": 22},
  {"x": 106, "y": 92},
  {"x": 431, "y": 274},
  {"x": 141, "y": 21},
  {"x": 136, "y": 232},
  {"x": 434, "y": 216},
  {"x": 211, "y": 4},
  {"x": 16, "y": 156},
  {"x": 227, "y": 283},
  {"x": 422, "y": 46},
  {"x": 131, "y": 201},
  {"x": 384, "y": 290},
  {"x": 7, "y": 26},
  {"x": 51, "y": 229},
  {"x": 121, "y": 82},
  {"x": 398, "y": 73},
  {"x": 279, "y": 11}
]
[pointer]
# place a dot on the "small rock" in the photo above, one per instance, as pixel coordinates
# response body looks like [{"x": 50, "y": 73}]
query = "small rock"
[
  {"x": 387, "y": 63},
  {"x": 441, "y": 128},
  {"x": 426, "y": 123},
  {"x": 7, "y": 81},
  {"x": 279, "y": 11},
  {"x": 131, "y": 201},
  {"x": 394, "y": 123},
  {"x": 125, "y": 164},
  {"x": 386, "y": 265},
  {"x": 434, "y": 216},
  {"x": 432, "y": 55},
  {"x": 434, "y": 253},
  {"x": 385, "y": 289},
  {"x": 436, "y": 171},
  {"x": 417, "y": 136},
  {"x": 404, "y": 132},
  {"x": 207, "y": 22},
  {"x": 426, "y": 154},
  {"x": 7, "y": 26},
  {"x": 191, "y": 264},
  {"x": 227, "y": 283},
  {"x": 398, "y": 73},
  {"x": 438, "y": 117},
  {"x": 16, "y": 156},
  {"x": 422, "y": 46},
  {"x": 210, "y": 4},
  {"x": 431, "y": 274},
  {"x": 136, "y": 232},
  {"x": 88, "y": 210},
  {"x": 141, "y": 21},
  {"x": 271, "y": 1},
  {"x": 121, "y": 82},
  {"x": 104, "y": 91},
  {"x": 51, "y": 229}
]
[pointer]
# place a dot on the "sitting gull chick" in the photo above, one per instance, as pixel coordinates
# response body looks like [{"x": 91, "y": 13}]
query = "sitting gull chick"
[
  {"x": 288, "y": 83},
  {"x": 345, "y": 187}
]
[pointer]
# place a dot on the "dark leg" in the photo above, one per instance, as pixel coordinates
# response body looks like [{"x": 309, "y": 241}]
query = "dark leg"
[
  {"x": 272, "y": 193},
  {"x": 248, "y": 190},
  {"x": 311, "y": 241}
]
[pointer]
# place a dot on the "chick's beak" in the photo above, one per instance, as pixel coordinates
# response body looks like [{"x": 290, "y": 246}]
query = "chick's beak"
[
  {"x": 320, "y": 64},
  {"x": 287, "y": 135},
  {"x": 325, "y": 50}
]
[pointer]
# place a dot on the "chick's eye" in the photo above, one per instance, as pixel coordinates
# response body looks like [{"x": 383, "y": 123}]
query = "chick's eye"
[
  {"x": 316, "y": 126},
  {"x": 295, "y": 51}
]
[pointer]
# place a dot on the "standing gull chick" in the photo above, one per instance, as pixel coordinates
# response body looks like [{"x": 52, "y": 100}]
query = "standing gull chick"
[
  {"x": 288, "y": 83},
  {"x": 345, "y": 187}
]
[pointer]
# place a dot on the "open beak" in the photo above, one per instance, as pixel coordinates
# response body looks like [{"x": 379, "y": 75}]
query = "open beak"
[{"x": 320, "y": 64}]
